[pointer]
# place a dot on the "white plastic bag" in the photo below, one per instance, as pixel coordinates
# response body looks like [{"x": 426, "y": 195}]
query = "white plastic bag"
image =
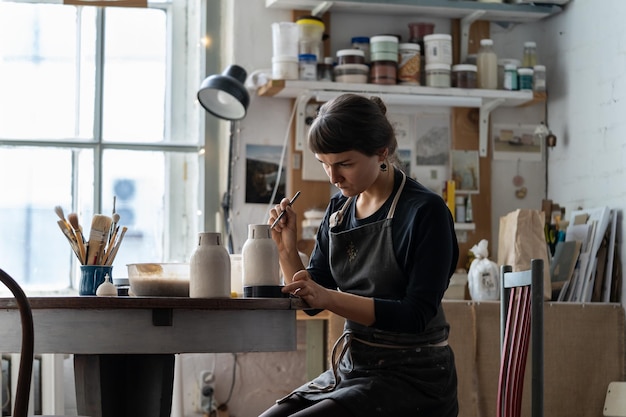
[{"x": 483, "y": 276}]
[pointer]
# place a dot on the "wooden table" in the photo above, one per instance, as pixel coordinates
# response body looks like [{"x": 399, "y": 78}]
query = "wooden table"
[{"x": 124, "y": 346}]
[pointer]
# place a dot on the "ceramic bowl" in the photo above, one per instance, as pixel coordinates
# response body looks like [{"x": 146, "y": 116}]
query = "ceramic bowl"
[{"x": 159, "y": 279}]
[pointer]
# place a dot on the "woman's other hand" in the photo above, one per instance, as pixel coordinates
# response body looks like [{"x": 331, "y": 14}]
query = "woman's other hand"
[{"x": 304, "y": 287}]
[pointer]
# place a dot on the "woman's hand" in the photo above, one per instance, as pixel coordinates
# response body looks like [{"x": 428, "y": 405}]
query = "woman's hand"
[
  {"x": 304, "y": 287},
  {"x": 285, "y": 231}
]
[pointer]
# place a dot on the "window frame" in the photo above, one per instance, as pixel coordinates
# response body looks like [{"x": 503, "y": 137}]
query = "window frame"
[{"x": 183, "y": 116}]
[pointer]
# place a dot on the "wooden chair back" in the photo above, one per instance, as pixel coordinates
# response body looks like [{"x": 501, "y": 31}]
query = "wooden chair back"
[{"x": 521, "y": 328}]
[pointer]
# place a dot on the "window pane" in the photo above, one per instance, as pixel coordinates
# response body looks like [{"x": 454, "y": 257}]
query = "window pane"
[
  {"x": 33, "y": 181},
  {"x": 41, "y": 70},
  {"x": 156, "y": 196},
  {"x": 135, "y": 68}
]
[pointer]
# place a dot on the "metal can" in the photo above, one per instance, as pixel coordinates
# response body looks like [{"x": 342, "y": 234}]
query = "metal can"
[{"x": 409, "y": 63}]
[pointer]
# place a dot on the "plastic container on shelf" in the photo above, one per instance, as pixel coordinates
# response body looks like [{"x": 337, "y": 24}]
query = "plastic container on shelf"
[
  {"x": 438, "y": 48},
  {"x": 409, "y": 63},
  {"x": 384, "y": 56},
  {"x": 501, "y": 63},
  {"x": 325, "y": 69},
  {"x": 539, "y": 78},
  {"x": 351, "y": 73},
  {"x": 362, "y": 43},
  {"x": 438, "y": 75},
  {"x": 285, "y": 39},
  {"x": 464, "y": 76},
  {"x": 311, "y": 32},
  {"x": 510, "y": 77},
  {"x": 384, "y": 72},
  {"x": 383, "y": 43},
  {"x": 307, "y": 64},
  {"x": 525, "y": 78},
  {"x": 417, "y": 31},
  {"x": 285, "y": 68},
  {"x": 530, "y": 55},
  {"x": 487, "y": 65},
  {"x": 350, "y": 56}
]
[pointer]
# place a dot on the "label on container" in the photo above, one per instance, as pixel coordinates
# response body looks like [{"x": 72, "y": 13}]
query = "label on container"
[{"x": 409, "y": 67}]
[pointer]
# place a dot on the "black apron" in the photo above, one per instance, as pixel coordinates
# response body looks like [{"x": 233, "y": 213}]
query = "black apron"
[{"x": 376, "y": 372}]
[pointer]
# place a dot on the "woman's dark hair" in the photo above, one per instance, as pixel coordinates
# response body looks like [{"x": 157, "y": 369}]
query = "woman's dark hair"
[{"x": 352, "y": 122}]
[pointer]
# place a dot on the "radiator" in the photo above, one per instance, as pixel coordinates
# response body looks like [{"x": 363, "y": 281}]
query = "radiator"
[{"x": 47, "y": 393}]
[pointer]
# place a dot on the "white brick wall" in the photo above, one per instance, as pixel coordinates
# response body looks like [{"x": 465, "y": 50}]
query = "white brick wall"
[{"x": 586, "y": 59}]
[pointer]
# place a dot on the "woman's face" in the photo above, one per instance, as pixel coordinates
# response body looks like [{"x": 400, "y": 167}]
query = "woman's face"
[{"x": 352, "y": 172}]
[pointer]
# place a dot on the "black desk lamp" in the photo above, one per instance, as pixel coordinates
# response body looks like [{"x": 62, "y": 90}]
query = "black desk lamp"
[{"x": 225, "y": 96}]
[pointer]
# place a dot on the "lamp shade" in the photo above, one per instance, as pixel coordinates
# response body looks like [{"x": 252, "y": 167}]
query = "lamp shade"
[{"x": 224, "y": 95}]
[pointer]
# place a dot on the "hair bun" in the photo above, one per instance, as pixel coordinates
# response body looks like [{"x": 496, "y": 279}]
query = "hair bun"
[{"x": 379, "y": 102}]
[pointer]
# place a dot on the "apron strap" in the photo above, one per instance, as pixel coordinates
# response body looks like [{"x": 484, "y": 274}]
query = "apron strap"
[
  {"x": 392, "y": 210},
  {"x": 337, "y": 217}
]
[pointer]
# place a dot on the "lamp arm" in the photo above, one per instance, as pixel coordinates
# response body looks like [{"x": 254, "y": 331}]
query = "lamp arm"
[{"x": 227, "y": 199}]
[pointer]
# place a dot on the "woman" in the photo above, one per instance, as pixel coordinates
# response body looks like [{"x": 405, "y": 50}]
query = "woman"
[{"x": 383, "y": 258}]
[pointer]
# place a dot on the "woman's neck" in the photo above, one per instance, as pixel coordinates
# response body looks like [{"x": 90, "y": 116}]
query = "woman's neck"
[{"x": 370, "y": 200}]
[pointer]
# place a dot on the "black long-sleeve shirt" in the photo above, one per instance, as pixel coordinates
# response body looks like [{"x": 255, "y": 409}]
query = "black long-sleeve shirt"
[{"x": 425, "y": 247}]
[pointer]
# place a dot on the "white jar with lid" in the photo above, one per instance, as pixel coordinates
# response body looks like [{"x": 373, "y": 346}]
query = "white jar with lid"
[
  {"x": 539, "y": 78},
  {"x": 438, "y": 48},
  {"x": 525, "y": 79},
  {"x": 209, "y": 268},
  {"x": 464, "y": 76},
  {"x": 487, "y": 65},
  {"x": 510, "y": 77},
  {"x": 438, "y": 75},
  {"x": 307, "y": 64},
  {"x": 260, "y": 266}
]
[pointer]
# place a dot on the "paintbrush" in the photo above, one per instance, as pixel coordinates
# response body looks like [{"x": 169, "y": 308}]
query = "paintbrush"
[
  {"x": 282, "y": 213},
  {"x": 70, "y": 237},
  {"x": 80, "y": 240},
  {"x": 59, "y": 211},
  {"x": 111, "y": 256},
  {"x": 100, "y": 225}
]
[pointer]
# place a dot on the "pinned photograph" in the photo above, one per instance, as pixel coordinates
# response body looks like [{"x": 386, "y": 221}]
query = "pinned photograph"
[{"x": 516, "y": 142}]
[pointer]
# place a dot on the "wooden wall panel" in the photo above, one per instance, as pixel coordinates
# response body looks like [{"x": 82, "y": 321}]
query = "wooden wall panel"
[{"x": 464, "y": 132}]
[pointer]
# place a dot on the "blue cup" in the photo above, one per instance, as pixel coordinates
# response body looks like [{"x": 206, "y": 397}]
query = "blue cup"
[{"x": 91, "y": 276}]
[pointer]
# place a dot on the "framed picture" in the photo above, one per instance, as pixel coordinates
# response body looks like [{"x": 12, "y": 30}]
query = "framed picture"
[
  {"x": 516, "y": 142},
  {"x": 262, "y": 162},
  {"x": 465, "y": 169}
]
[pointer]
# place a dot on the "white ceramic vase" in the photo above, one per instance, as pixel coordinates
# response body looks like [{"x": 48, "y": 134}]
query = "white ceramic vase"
[
  {"x": 259, "y": 255},
  {"x": 209, "y": 274}
]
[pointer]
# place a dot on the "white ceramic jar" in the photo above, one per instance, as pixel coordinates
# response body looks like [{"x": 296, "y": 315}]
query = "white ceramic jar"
[
  {"x": 438, "y": 48},
  {"x": 259, "y": 255},
  {"x": 209, "y": 273}
]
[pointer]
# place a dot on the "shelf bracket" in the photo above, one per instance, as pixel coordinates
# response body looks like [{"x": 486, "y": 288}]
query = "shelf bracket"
[
  {"x": 483, "y": 127},
  {"x": 301, "y": 102},
  {"x": 466, "y": 22},
  {"x": 321, "y": 8}
]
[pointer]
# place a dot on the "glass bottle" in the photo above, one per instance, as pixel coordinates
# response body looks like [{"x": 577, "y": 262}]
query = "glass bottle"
[
  {"x": 487, "y": 65},
  {"x": 530, "y": 55}
]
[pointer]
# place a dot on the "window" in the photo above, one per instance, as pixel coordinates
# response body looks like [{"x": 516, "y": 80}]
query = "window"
[{"x": 97, "y": 108}]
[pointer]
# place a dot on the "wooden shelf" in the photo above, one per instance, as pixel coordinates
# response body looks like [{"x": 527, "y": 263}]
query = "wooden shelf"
[
  {"x": 485, "y": 100},
  {"x": 453, "y": 9},
  {"x": 409, "y": 95}
]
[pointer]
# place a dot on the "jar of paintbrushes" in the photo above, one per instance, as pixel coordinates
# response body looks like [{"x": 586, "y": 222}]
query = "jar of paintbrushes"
[{"x": 95, "y": 252}]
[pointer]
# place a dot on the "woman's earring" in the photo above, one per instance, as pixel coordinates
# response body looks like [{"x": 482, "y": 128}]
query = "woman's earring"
[{"x": 383, "y": 167}]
